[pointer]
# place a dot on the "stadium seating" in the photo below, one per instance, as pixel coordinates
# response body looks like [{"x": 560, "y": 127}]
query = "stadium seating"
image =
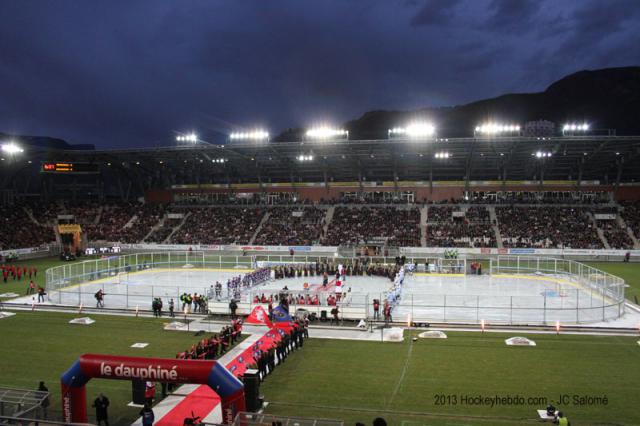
[
  {"x": 18, "y": 230},
  {"x": 631, "y": 215},
  {"x": 292, "y": 226},
  {"x": 447, "y": 225},
  {"x": 470, "y": 228},
  {"x": 547, "y": 227},
  {"x": 218, "y": 225},
  {"x": 399, "y": 226}
]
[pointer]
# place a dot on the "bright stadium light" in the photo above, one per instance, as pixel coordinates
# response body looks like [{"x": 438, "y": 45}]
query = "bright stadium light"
[
  {"x": 443, "y": 155},
  {"x": 414, "y": 130},
  {"x": 496, "y": 129},
  {"x": 11, "y": 148},
  {"x": 325, "y": 132},
  {"x": 219, "y": 160},
  {"x": 542, "y": 154},
  {"x": 304, "y": 158},
  {"x": 572, "y": 128},
  {"x": 190, "y": 137},
  {"x": 253, "y": 135}
]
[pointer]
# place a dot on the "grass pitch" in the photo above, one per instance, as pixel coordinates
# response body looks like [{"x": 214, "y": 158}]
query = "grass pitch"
[
  {"x": 42, "y": 345},
  {"x": 438, "y": 382}
]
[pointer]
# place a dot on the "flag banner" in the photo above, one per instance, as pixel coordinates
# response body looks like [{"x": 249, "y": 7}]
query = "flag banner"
[
  {"x": 259, "y": 316},
  {"x": 280, "y": 315}
]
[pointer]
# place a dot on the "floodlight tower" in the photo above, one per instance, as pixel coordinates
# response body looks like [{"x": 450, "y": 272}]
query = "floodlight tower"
[
  {"x": 414, "y": 130},
  {"x": 191, "y": 137},
  {"x": 327, "y": 133},
  {"x": 10, "y": 150},
  {"x": 572, "y": 129},
  {"x": 492, "y": 129},
  {"x": 256, "y": 135}
]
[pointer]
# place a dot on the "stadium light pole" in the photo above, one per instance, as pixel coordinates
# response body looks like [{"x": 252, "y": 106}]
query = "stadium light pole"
[
  {"x": 11, "y": 149},
  {"x": 327, "y": 133},
  {"x": 491, "y": 129},
  {"x": 188, "y": 137},
  {"x": 571, "y": 129},
  {"x": 252, "y": 135},
  {"x": 414, "y": 130}
]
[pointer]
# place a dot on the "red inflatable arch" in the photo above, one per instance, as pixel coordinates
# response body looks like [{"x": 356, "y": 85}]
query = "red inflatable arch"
[{"x": 89, "y": 366}]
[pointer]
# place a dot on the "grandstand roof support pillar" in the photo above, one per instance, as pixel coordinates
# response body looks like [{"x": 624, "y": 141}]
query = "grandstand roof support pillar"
[
  {"x": 580, "y": 170},
  {"x": 326, "y": 180},
  {"x": 468, "y": 168},
  {"x": 619, "y": 173}
]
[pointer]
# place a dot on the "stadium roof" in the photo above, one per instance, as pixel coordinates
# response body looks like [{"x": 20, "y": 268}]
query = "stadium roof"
[
  {"x": 608, "y": 159},
  {"x": 599, "y": 158}
]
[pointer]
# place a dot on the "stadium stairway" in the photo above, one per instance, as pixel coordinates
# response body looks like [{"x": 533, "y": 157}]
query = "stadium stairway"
[
  {"x": 493, "y": 217},
  {"x": 153, "y": 229},
  {"x": 423, "y": 226},
  {"x": 130, "y": 222},
  {"x": 177, "y": 227},
  {"x": 623, "y": 225},
  {"x": 30, "y": 215},
  {"x": 599, "y": 231},
  {"x": 327, "y": 219},
  {"x": 96, "y": 221},
  {"x": 259, "y": 227}
]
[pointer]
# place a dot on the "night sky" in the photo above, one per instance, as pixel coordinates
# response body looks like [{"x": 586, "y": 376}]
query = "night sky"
[{"x": 133, "y": 73}]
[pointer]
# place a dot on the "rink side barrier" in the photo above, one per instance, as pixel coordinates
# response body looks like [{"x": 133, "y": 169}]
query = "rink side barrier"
[{"x": 346, "y": 312}]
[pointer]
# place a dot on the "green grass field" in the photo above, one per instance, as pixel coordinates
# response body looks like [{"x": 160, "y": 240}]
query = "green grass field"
[
  {"x": 41, "y": 346},
  {"x": 629, "y": 272},
  {"x": 425, "y": 383},
  {"x": 20, "y": 287}
]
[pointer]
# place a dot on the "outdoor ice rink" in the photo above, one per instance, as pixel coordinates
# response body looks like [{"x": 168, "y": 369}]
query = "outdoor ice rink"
[{"x": 425, "y": 297}]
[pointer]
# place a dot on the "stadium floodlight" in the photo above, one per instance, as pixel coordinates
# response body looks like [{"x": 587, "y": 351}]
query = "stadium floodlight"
[
  {"x": 496, "y": 129},
  {"x": 442, "y": 155},
  {"x": 219, "y": 160},
  {"x": 572, "y": 128},
  {"x": 11, "y": 148},
  {"x": 190, "y": 137},
  {"x": 253, "y": 135},
  {"x": 414, "y": 130},
  {"x": 325, "y": 132},
  {"x": 542, "y": 154},
  {"x": 304, "y": 158}
]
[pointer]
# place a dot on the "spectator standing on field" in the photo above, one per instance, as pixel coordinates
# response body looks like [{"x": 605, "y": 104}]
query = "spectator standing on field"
[
  {"x": 101, "y": 404},
  {"x": 147, "y": 415},
  {"x": 46, "y": 401}
]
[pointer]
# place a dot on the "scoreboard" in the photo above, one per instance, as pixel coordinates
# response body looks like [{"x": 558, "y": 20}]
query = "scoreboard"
[{"x": 66, "y": 167}]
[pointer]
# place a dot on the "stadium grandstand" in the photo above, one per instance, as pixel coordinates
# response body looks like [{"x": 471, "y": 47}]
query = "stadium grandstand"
[{"x": 578, "y": 192}]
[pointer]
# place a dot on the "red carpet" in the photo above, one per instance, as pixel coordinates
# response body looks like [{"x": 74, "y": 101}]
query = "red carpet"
[{"x": 200, "y": 402}]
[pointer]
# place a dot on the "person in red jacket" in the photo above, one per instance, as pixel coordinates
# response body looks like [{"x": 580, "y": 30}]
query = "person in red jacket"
[{"x": 150, "y": 392}]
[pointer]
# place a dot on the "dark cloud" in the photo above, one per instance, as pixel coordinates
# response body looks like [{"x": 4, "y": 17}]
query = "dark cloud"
[
  {"x": 118, "y": 73},
  {"x": 435, "y": 12},
  {"x": 510, "y": 15}
]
